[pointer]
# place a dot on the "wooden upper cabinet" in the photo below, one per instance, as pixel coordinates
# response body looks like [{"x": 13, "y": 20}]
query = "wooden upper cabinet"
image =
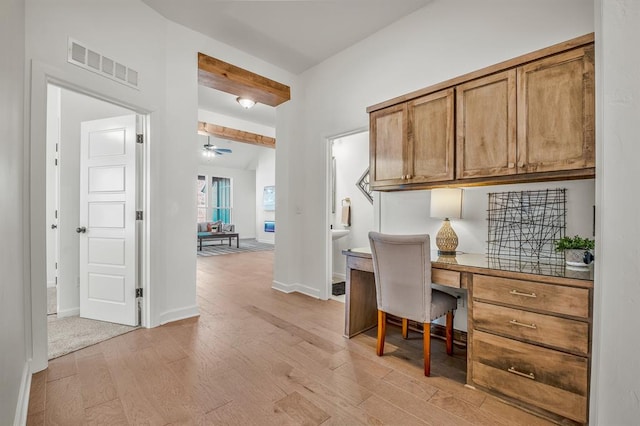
[
  {"x": 431, "y": 138},
  {"x": 486, "y": 126},
  {"x": 556, "y": 112},
  {"x": 413, "y": 142},
  {"x": 527, "y": 119},
  {"x": 388, "y": 145}
]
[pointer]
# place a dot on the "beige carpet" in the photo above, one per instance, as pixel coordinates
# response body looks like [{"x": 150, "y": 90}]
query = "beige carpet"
[{"x": 72, "y": 333}]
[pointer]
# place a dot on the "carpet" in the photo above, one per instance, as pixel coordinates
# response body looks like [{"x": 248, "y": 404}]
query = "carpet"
[
  {"x": 72, "y": 333},
  {"x": 248, "y": 245},
  {"x": 52, "y": 300},
  {"x": 338, "y": 288}
]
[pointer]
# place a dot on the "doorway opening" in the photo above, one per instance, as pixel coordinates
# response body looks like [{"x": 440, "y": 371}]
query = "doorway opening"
[
  {"x": 349, "y": 211},
  {"x": 94, "y": 170}
]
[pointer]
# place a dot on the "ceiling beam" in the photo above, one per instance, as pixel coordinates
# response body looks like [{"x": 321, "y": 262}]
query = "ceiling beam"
[
  {"x": 229, "y": 78},
  {"x": 236, "y": 135}
]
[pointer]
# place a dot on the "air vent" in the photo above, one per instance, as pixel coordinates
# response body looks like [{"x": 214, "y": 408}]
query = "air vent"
[{"x": 89, "y": 59}]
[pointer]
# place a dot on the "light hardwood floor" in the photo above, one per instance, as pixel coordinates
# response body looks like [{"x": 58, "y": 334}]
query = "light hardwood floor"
[{"x": 256, "y": 356}]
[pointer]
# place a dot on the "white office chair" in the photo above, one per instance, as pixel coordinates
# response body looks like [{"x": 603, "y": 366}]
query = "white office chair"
[{"x": 402, "y": 268}]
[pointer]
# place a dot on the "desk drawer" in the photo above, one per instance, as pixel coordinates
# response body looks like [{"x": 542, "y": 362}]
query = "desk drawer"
[
  {"x": 561, "y": 333},
  {"x": 551, "y": 380},
  {"x": 532, "y": 295},
  {"x": 445, "y": 277}
]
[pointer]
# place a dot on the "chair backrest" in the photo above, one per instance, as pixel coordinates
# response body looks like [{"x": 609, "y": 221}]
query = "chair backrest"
[{"x": 402, "y": 268}]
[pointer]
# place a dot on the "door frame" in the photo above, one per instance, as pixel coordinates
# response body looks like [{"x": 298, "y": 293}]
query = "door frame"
[
  {"x": 35, "y": 177},
  {"x": 327, "y": 206}
]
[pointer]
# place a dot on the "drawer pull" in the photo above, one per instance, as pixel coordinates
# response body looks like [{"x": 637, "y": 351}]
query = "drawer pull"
[
  {"x": 516, "y": 322},
  {"x": 527, "y": 375},
  {"x": 517, "y": 293}
]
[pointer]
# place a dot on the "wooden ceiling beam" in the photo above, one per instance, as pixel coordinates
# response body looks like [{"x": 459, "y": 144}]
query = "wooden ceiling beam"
[
  {"x": 236, "y": 135},
  {"x": 229, "y": 78}
]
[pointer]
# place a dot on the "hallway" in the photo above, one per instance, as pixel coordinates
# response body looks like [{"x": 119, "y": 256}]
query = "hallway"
[{"x": 258, "y": 356}]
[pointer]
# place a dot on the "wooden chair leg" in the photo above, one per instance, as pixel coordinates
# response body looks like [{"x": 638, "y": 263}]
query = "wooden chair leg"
[
  {"x": 405, "y": 328},
  {"x": 449, "y": 333},
  {"x": 427, "y": 348},
  {"x": 382, "y": 326}
]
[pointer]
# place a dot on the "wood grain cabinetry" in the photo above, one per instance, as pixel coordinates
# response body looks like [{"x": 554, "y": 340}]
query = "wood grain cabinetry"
[
  {"x": 556, "y": 113},
  {"x": 413, "y": 142},
  {"x": 486, "y": 126},
  {"x": 388, "y": 144},
  {"x": 531, "y": 343},
  {"x": 527, "y": 119}
]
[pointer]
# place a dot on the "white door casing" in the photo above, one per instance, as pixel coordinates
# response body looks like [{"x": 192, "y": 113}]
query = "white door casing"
[{"x": 107, "y": 228}]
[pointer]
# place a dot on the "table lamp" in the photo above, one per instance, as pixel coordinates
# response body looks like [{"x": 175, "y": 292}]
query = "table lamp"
[{"x": 446, "y": 203}]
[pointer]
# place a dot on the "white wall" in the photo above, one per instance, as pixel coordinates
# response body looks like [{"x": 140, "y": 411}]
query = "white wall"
[
  {"x": 615, "y": 387},
  {"x": 424, "y": 48},
  {"x": 14, "y": 292},
  {"x": 352, "y": 159},
  {"x": 74, "y": 109},
  {"x": 265, "y": 176},
  {"x": 243, "y": 195}
]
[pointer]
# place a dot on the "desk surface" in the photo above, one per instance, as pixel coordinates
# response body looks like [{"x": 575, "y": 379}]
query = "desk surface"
[{"x": 472, "y": 262}]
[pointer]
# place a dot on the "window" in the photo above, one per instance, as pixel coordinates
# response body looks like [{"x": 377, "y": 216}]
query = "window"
[
  {"x": 214, "y": 200},
  {"x": 201, "y": 188},
  {"x": 221, "y": 199}
]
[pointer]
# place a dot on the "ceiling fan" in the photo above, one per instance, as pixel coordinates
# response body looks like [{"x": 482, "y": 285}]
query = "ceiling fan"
[{"x": 212, "y": 151}]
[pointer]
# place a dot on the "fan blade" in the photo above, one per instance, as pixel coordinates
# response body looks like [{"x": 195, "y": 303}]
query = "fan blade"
[{"x": 223, "y": 150}]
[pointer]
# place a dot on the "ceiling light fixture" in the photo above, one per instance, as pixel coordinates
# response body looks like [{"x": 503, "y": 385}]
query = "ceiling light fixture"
[{"x": 245, "y": 102}]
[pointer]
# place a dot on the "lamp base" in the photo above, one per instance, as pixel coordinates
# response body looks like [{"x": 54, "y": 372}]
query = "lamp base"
[{"x": 446, "y": 239}]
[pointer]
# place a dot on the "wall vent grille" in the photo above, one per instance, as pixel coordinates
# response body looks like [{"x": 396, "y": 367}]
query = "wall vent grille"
[{"x": 89, "y": 59}]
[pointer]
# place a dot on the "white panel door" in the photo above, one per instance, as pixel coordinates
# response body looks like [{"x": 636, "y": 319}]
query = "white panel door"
[{"x": 107, "y": 228}]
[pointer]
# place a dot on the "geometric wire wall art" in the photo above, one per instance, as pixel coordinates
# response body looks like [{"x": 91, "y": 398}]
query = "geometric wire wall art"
[{"x": 526, "y": 224}]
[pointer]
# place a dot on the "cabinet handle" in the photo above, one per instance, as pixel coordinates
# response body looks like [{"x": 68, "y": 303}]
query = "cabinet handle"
[
  {"x": 527, "y": 375},
  {"x": 517, "y": 293},
  {"x": 408, "y": 177},
  {"x": 516, "y": 322}
]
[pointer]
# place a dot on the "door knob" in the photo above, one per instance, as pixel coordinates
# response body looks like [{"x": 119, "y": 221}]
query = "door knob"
[
  {"x": 81, "y": 230},
  {"x": 54, "y": 226}
]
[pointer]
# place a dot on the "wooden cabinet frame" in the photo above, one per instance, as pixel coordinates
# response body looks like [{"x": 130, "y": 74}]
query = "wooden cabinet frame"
[{"x": 525, "y": 104}]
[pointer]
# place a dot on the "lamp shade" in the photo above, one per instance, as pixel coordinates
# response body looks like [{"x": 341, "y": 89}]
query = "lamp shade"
[{"x": 446, "y": 203}]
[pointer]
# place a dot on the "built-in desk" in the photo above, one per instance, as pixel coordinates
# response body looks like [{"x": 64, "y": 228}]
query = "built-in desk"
[{"x": 529, "y": 326}]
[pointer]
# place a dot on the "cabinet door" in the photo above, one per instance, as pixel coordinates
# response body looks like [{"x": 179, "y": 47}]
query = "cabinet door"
[
  {"x": 431, "y": 142},
  {"x": 556, "y": 113},
  {"x": 486, "y": 126},
  {"x": 388, "y": 146}
]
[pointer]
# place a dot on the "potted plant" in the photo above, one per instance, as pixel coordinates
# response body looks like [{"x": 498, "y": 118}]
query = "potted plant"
[{"x": 578, "y": 251}]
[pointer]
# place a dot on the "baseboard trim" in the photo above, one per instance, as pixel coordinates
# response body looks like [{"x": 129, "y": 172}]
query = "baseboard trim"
[
  {"x": 22, "y": 408},
  {"x": 73, "y": 312},
  {"x": 179, "y": 314},
  {"x": 299, "y": 288}
]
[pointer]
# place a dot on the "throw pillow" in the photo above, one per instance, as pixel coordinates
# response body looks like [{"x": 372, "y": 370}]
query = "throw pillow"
[{"x": 210, "y": 227}]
